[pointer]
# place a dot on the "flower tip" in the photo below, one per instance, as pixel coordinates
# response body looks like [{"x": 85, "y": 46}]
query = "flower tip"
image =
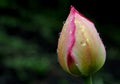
[
  {"x": 73, "y": 11},
  {"x": 72, "y": 7}
]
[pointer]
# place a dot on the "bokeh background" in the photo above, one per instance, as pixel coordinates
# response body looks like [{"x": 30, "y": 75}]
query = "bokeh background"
[{"x": 29, "y": 31}]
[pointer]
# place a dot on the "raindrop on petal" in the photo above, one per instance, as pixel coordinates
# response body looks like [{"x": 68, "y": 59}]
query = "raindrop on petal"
[{"x": 83, "y": 44}]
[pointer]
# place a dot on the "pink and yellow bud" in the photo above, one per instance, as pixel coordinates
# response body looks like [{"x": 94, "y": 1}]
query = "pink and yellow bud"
[{"x": 80, "y": 49}]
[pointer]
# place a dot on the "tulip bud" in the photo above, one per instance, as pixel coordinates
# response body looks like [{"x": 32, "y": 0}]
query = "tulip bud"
[{"x": 80, "y": 49}]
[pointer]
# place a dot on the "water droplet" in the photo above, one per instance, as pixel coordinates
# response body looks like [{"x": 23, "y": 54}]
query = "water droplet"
[
  {"x": 76, "y": 64},
  {"x": 87, "y": 40},
  {"x": 64, "y": 29},
  {"x": 83, "y": 30},
  {"x": 71, "y": 20},
  {"x": 98, "y": 34},
  {"x": 70, "y": 32},
  {"x": 83, "y": 44},
  {"x": 63, "y": 22},
  {"x": 57, "y": 50}
]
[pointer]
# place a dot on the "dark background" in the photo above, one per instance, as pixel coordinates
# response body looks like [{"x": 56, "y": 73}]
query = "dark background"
[{"x": 29, "y": 31}]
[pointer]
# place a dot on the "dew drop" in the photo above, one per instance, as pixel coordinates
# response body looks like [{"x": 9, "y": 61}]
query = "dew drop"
[
  {"x": 87, "y": 40},
  {"x": 83, "y": 30},
  {"x": 83, "y": 44},
  {"x": 70, "y": 32},
  {"x": 76, "y": 64},
  {"x": 65, "y": 29},
  {"x": 57, "y": 50},
  {"x": 63, "y": 22},
  {"x": 98, "y": 34}
]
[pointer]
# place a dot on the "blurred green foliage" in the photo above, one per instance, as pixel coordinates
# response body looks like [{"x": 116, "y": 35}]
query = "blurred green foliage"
[{"x": 29, "y": 31}]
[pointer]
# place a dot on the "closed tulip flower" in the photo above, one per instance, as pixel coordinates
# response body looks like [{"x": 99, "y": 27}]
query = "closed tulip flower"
[{"x": 80, "y": 49}]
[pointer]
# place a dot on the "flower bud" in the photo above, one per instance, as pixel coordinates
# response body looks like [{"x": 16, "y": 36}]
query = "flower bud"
[{"x": 80, "y": 49}]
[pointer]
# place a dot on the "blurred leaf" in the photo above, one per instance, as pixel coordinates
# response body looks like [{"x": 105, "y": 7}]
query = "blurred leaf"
[
  {"x": 3, "y": 3},
  {"x": 40, "y": 65}
]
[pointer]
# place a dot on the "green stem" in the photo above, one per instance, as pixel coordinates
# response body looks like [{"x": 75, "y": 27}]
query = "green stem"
[{"x": 87, "y": 80}]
